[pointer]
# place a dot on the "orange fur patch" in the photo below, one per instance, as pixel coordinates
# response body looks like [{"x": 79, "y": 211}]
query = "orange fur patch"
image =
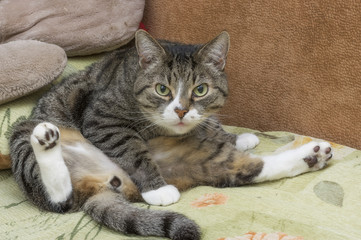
[
  {"x": 5, "y": 162},
  {"x": 71, "y": 135},
  {"x": 90, "y": 185},
  {"x": 302, "y": 140}
]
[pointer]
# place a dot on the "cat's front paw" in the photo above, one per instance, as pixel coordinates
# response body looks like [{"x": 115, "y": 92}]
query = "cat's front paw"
[
  {"x": 162, "y": 196},
  {"x": 45, "y": 136},
  {"x": 319, "y": 154},
  {"x": 246, "y": 141}
]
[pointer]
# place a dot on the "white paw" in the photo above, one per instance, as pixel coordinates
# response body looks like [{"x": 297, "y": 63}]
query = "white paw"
[
  {"x": 45, "y": 136},
  {"x": 162, "y": 196},
  {"x": 317, "y": 154},
  {"x": 312, "y": 156},
  {"x": 246, "y": 141},
  {"x": 54, "y": 173}
]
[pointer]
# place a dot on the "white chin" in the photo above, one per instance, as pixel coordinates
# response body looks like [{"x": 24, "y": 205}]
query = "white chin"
[{"x": 180, "y": 129}]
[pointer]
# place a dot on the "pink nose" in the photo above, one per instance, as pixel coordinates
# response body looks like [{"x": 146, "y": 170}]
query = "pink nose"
[{"x": 181, "y": 112}]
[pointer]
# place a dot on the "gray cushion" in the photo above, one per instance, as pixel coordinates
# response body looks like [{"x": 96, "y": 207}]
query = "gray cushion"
[
  {"x": 80, "y": 27},
  {"x": 27, "y": 65}
]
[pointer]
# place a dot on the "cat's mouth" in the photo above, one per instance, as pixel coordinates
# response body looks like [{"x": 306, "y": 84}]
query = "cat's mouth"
[
  {"x": 181, "y": 127},
  {"x": 180, "y": 124}
]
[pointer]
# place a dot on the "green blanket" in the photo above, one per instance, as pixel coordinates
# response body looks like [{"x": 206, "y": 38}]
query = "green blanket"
[{"x": 319, "y": 205}]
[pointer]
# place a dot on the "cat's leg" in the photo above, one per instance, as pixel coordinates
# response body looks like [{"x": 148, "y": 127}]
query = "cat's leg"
[
  {"x": 214, "y": 130},
  {"x": 54, "y": 173},
  {"x": 188, "y": 163},
  {"x": 312, "y": 156}
]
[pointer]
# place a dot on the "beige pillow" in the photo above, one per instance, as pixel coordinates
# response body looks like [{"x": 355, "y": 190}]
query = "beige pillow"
[
  {"x": 27, "y": 65},
  {"x": 80, "y": 27}
]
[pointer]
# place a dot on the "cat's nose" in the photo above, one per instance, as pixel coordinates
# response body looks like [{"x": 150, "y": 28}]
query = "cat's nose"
[{"x": 181, "y": 112}]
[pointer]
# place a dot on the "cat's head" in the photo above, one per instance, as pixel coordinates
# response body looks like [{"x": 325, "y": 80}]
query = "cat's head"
[{"x": 178, "y": 86}]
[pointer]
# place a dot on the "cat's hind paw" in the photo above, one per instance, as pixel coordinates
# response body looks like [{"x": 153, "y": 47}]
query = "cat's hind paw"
[
  {"x": 54, "y": 173},
  {"x": 45, "y": 136},
  {"x": 319, "y": 154},
  {"x": 309, "y": 157},
  {"x": 246, "y": 141},
  {"x": 162, "y": 196}
]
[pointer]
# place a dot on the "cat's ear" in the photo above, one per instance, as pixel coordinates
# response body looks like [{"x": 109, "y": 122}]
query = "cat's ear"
[
  {"x": 214, "y": 53},
  {"x": 150, "y": 52}
]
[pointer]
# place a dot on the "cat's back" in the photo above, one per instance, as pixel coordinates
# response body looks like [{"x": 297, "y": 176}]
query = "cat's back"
[{"x": 66, "y": 101}]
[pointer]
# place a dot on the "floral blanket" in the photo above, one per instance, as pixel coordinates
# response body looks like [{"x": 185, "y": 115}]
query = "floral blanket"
[{"x": 323, "y": 205}]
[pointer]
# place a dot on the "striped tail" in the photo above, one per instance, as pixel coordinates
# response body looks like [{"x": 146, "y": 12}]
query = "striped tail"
[{"x": 112, "y": 210}]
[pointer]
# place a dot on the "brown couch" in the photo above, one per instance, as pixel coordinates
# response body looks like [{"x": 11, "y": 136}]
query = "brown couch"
[{"x": 293, "y": 65}]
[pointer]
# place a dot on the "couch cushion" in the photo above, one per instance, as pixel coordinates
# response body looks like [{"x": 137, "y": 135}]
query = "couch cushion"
[
  {"x": 80, "y": 27},
  {"x": 27, "y": 65}
]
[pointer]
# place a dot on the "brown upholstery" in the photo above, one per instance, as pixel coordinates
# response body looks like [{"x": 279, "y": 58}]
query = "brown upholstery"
[{"x": 293, "y": 65}]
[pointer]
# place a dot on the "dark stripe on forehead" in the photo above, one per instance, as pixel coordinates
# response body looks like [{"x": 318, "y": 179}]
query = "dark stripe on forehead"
[
  {"x": 169, "y": 79},
  {"x": 180, "y": 58},
  {"x": 181, "y": 49},
  {"x": 181, "y": 72},
  {"x": 188, "y": 75},
  {"x": 185, "y": 62},
  {"x": 193, "y": 62}
]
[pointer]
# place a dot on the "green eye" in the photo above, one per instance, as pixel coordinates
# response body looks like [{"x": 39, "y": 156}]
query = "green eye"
[
  {"x": 201, "y": 90},
  {"x": 162, "y": 90}
]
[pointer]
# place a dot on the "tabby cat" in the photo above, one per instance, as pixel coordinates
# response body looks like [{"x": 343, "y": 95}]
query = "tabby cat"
[{"x": 140, "y": 125}]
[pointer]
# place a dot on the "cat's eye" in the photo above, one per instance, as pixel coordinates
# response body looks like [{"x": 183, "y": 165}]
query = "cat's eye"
[
  {"x": 162, "y": 90},
  {"x": 201, "y": 90}
]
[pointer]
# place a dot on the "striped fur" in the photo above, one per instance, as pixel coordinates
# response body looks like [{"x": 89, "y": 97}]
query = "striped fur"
[
  {"x": 116, "y": 138},
  {"x": 111, "y": 104}
]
